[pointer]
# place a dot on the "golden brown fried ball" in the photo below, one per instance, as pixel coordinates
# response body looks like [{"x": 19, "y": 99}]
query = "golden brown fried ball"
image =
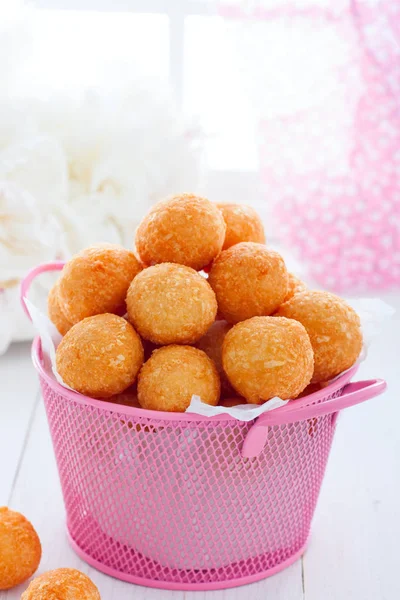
[
  {"x": 229, "y": 402},
  {"x": 249, "y": 280},
  {"x": 56, "y": 314},
  {"x": 183, "y": 229},
  {"x": 211, "y": 344},
  {"x": 20, "y": 549},
  {"x": 266, "y": 357},
  {"x": 100, "y": 356},
  {"x": 171, "y": 304},
  {"x": 62, "y": 584},
  {"x": 96, "y": 280},
  {"x": 295, "y": 286},
  {"x": 242, "y": 224},
  {"x": 334, "y": 330},
  {"x": 173, "y": 374}
]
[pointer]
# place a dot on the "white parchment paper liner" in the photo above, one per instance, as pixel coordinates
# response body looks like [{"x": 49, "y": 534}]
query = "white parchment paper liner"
[{"x": 373, "y": 313}]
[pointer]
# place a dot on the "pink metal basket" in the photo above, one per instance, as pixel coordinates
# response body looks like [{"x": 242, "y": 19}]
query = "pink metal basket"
[{"x": 180, "y": 501}]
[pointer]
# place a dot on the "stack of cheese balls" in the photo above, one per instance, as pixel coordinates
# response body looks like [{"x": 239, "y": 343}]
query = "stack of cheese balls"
[{"x": 148, "y": 326}]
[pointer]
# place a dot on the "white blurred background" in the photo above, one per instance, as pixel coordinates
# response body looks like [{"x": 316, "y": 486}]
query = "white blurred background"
[{"x": 107, "y": 106}]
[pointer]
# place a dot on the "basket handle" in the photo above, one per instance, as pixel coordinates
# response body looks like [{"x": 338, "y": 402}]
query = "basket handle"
[
  {"x": 353, "y": 393},
  {"x": 26, "y": 283}
]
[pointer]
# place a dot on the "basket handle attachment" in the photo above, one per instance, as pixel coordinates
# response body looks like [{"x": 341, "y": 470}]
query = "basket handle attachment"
[
  {"x": 31, "y": 276},
  {"x": 353, "y": 393}
]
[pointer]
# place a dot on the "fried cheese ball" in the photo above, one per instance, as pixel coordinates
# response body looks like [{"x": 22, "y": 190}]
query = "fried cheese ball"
[
  {"x": 295, "y": 286},
  {"x": 100, "y": 356},
  {"x": 57, "y": 316},
  {"x": 265, "y": 357},
  {"x": 242, "y": 225},
  {"x": 62, "y": 584},
  {"x": 211, "y": 344},
  {"x": 171, "y": 304},
  {"x": 96, "y": 280},
  {"x": 20, "y": 549},
  {"x": 184, "y": 229},
  {"x": 334, "y": 329},
  {"x": 173, "y": 374},
  {"x": 248, "y": 280}
]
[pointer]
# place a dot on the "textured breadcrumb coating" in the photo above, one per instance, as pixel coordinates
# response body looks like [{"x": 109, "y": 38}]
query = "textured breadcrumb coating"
[
  {"x": 211, "y": 344},
  {"x": 265, "y": 357},
  {"x": 57, "y": 317},
  {"x": 173, "y": 374},
  {"x": 100, "y": 356},
  {"x": 171, "y": 304},
  {"x": 295, "y": 286},
  {"x": 184, "y": 229},
  {"x": 242, "y": 224},
  {"x": 62, "y": 584},
  {"x": 248, "y": 280},
  {"x": 96, "y": 280},
  {"x": 20, "y": 549},
  {"x": 334, "y": 329}
]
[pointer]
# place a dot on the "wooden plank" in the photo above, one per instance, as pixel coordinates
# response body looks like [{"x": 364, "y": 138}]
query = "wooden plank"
[
  {"x": 19, "y": 387},
  {"x": 113, "y": 589},
  {"x": 280, "y": 587},
  {"x": 354, "y": 548}
]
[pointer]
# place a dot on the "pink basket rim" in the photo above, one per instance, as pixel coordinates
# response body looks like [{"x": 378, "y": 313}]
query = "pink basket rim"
[{"x": 334, "y": 386}]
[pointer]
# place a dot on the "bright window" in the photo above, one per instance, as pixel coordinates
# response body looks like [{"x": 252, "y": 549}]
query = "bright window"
[{"x": 77, "y": 42}]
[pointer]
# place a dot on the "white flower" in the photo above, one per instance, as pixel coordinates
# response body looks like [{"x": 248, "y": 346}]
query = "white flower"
[
  {"x": 37, "y": 164},
  {"x": 27, "y": 238}
]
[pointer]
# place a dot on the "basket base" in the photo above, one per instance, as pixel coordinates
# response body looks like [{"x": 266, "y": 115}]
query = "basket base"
[{"x": 170, "y": 585}]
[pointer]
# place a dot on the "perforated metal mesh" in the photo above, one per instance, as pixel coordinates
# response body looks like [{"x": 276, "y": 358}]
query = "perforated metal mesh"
[{"x": 174, "y": 501}]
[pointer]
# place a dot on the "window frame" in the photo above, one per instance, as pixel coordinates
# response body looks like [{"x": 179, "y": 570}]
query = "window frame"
[
  {"x": 221, "y": 184},
  {"x": 176, "y": 10}
]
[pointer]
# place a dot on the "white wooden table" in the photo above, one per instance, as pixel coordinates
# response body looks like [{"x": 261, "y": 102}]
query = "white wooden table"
[{"x": 353, "y": 553}]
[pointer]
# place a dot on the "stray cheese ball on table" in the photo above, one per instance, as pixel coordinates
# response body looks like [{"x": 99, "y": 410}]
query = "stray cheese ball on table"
[
  {"x": 20, "y": 549},
  {"x": 266, "y": 357},
  {"x": 62, "y": 584},
  {"x": 173, "y": 374},
  {"x": 171, "y": 304},
  {"x": 57, "y": 316},
  {"x": 184, "y": 229},
  {"x": 100, "y": 356},
  {"x": 211, "y": 344},
  {"x": 96, "y": 280},
  {"x": 242, "y": 224},
  {"x": 334, "y": 329},
  {"x": 248, "y": 280},
  {"x": 295, "y": 286}
]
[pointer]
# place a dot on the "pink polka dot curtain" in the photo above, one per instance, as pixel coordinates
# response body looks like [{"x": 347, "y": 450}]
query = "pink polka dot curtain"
[{"x": 324, "y": 76}]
